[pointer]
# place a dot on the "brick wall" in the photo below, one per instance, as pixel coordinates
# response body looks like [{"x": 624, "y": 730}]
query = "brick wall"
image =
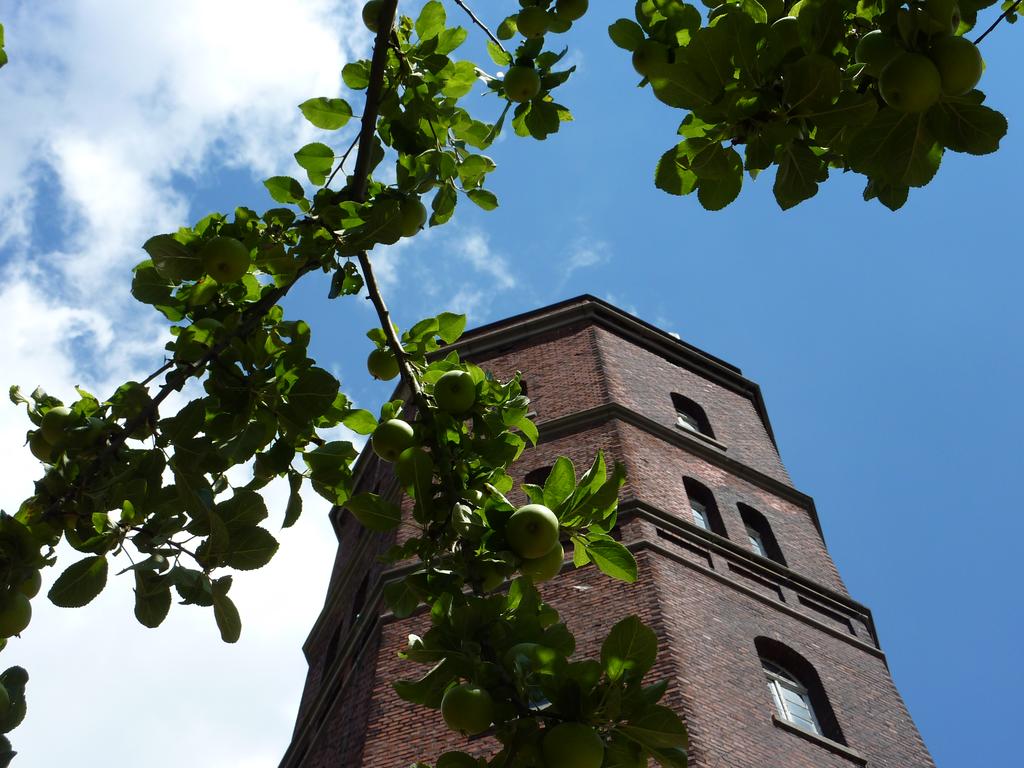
[{"x": 707, "y": 599}]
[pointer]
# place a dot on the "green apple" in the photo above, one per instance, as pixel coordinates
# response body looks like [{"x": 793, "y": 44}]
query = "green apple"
[
  {"x": 544, "y": 567},
  {"x": 30, "y": 586},
  {"x": 910, "y": 83},
  {"x": 573, "y": 745},
  {"x": 413, "y": 463},
  {"x": 467, "y": 708},
  {"x": 787, "y": 33},
  {"x": 382, "y": 365},
  {"x": 412, "y": 216},
  {"x": 875, "y": 50},
  {"x": 455, "y": 392},
  {"x": 15, "y": 614},
  {"x": 959, "y": 63},
  {"x": 650, "y": 58},
  {"x": 41, "y": 448},
  {"x": 55, "y": 423},
  {"x": 532, "y": 22},
  {"x": 391, "y": 437},
  {"x": 571, "y": 10},
  {"x": 945, "y": 13},
  {"x": 475, "y": 496},
  {"x": 532, "y": 531},
  {"x": 371, "y": 14},
  {"x": 521, "y": 83},
  {"x": 225, "y": 259},
  {"x": 467, "y": 523}
]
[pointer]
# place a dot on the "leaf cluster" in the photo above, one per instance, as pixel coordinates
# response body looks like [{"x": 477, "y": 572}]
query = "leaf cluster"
[{"x": 770, "y": 85}]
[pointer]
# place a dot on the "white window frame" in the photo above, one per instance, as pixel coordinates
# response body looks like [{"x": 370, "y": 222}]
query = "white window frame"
[
  {"x": 780, "y": 683},
  {"x": 756, "y": 542},
  {"x": 700, "y": 515}
]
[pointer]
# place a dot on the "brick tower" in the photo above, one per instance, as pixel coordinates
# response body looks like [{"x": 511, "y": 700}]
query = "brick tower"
[{"x": 770, "y": 661}]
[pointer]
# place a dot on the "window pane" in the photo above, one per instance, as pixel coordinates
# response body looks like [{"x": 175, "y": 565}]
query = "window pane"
[
  {"x": 700, "y": 519},
  {"x": 755, "y": 542},
  {"x": 687, "y": 421}
]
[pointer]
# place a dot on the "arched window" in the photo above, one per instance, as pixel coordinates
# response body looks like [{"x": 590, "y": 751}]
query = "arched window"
[
  {"x": 760, "y": 535},
  {"x": 691, "y": 416},
  {"x": 703, "y": 511},
  {"x": 796, "y": 691}
]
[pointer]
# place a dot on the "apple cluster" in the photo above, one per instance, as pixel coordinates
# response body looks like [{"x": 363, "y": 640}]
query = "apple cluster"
[
  {"x": 522, "y": 82},
  {"x": 922, "y": 59}
]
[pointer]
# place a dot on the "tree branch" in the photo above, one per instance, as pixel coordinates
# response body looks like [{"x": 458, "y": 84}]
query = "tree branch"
[
  {"x": 482, "y": 26},
  {"x": 994, "y": 24}
]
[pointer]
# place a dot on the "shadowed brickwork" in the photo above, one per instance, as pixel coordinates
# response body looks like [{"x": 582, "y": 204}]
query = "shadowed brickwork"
[{"x": 600, "y": 379}]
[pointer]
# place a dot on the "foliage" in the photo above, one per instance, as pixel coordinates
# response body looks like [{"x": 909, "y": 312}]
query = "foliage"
[{"x": 124, "y": 478}]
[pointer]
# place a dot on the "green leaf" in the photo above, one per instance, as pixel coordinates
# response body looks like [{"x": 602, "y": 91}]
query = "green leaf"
[
  {"x": 150, "y": 288},
  {"x": 243, "y": 510},
  {"x": 457, "y": 760},
  {"x": 224, "y": 611},
  {"x": 657, "y": 727},
  {"x": 356, "y": 74},
  {"x": 360, "y": 421},
  {"x": 284, "y": 189},
  {"x": 629, "y": 650},
  {"x": 374, "y": 512},
  {"x": 172, "y": 260},
  {"x": 429, "y": 689},
  {"x": 443, "y": 205},
  {"x": 313, "y": 393},
  {"x": 499, "y": 56},
  {"x": 329, "y": 114},
  {"x": 250, "y": 548},
  {"x": 964, "y": 126},
  {"x": 716, "y": 190},
  {"x": 401, "y": 598},
  {"x": 800, "y": 171},
  {"x": 560, "y": 482},
  {"x": 431, "y": 20},
  {"x": 486, "y": 200},
  {"x": 294, "y": 507},
  {"x": 80, "y": 583},
  {"x": 450, "y": 39},
  {"x": 898, "y": 148},
  {"x": 152, "y": 598},
  {"x": 458, "y": 77},
  {"x": 317, "y": 159},
  {"x": 811, "y": 84},
  {"x": 613, "y": 559},
  {"x": 672, "y": 176},
  {"x": 450, "y": 326},
  {"x": 626, "y": 34}
]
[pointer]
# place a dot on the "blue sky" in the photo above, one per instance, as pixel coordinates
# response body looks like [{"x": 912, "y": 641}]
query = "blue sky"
[{"x": 888, "y": 346}]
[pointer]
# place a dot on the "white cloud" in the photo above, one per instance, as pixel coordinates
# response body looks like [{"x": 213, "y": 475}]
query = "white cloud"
[
  {"x": 475, "y": 248},
  {"x": 112, "y": 111},
  {"x": 586, "y": 252}
]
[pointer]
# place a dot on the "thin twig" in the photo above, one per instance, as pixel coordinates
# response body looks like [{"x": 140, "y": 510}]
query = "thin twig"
[
  {"x": 342, "y": 163},
  {"x": 482, "y": 26},
  {"x": 1003, "y": 15}
]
